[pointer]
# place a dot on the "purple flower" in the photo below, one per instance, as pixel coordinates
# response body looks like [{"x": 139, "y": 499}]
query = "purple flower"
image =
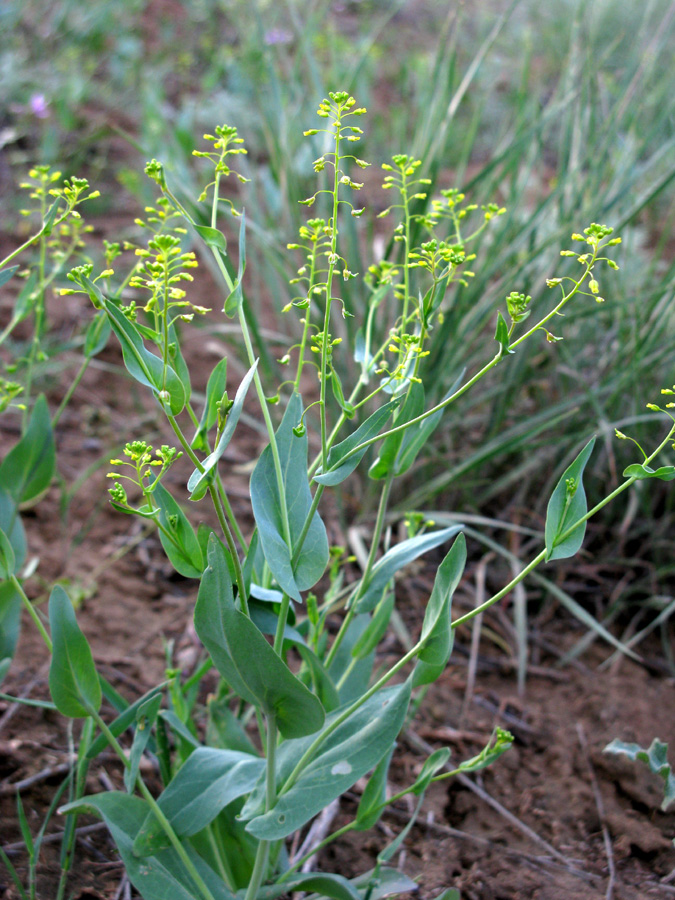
[
  {"x": 278, "y": 36},
  {"x": 39, "y": 106}
]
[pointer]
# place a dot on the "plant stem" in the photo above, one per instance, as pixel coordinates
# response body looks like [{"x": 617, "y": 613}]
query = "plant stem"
[
  {"x": 32, "y": 612},
  {"x": 563, "y": 537},
  {"x": 71, "y": 390},
  {"x": 157, "y": 812},
  {"x": 262, "y": 854},
  {"x": 370, "y": 562}
]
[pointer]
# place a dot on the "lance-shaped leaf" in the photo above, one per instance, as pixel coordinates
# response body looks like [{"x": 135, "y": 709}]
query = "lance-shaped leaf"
[
  {"x": 416, "y": 437},
  {"x": 432, "y": 765},
  {"x": 215, "y": 389},
  {"x": 6, "y": 274},
  {"x": 372, "y": 635},
  {"x": 374, "y": 797},
  {"x": 177, "y": 536},
  {"x": 384, "y": 882},
  {"x": 7, "y": 558},
  {"x": 159, "y": 877},
  {"x": 11, "y": 524},
  {"x": 656, "y": 757},
  {"x": 245, "y": 659},
  {"x": 386, "y": 461},
  {"x": 352, "y": 678},
  {"x": 566, "y": 506},
  {"x": 437, "y": 634},
  {"x": 199, "y": 480},
  {"x": 213, "y": 237},
  {"x": 355, "y": 747},
  {"x": 126, "y": 719},
  {"x": 268, "y": 509},
  {"x": 10, "y": 623},
  {"x": 236, "y": 297},
  {"x": 637, "y": 470},
  {"x": 206, "y": 783},
  {"x": 502, "y": 336},
  {"x": 393, "y": 560},
  {"x": 143, "y": 365},
  {"x": 339, "y": 468},
  {"x": 323, "y": 884},
  {"x": 73, "y": 681},
  {"x": 28, "y": 468},
  {"x": 145, "y": 719},
  {"x": 96, "y": 335}
]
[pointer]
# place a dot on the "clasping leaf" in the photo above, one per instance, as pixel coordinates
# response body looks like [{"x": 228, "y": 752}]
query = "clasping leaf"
[{"x": 566, "y": 506}]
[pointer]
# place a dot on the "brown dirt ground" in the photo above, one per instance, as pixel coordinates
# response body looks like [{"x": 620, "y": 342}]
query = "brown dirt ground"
[{"x": 551, "y": 819}]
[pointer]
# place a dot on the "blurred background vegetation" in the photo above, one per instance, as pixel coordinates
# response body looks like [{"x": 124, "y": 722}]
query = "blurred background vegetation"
[{"x": 561, "y": 112}]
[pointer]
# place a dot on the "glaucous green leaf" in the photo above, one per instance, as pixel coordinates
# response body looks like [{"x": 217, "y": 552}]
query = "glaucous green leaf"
[
  {"x": 7, "y": 273},
  {"x": 664, "y": 473},
  {"x": 374, "y": 632},
  {"x": 437, "y": 636},
  {"x": 7, "y": 558},
  {"x": 413, "y": 406},
  {"x": 236, "y": 297},
  {"x": 215, "y": 389},
  {"x": 199, "y": 479},
  {"x": 180, "y": 544},
  {"x": 205, "y": 784},
  {"x": 97, "y": 334},
  {"x": 323, "y": 884},
  {"x": 353, "y": 679},
  {"x": 126, "y": 718},
  {"x": 355, "y": 747},
  {"x": 432, "y": 765},
  {"x": 143, "y": 365},
  {"x": 224, "y": 730},
  {"x": 394, "y": 560},
  {"x": 213, "y": 237},
  {"x": 10, "y": 621},
  {"x": 146, "y": 717},
  {"x": 267, "y": 509},
  {"x": 384, "y": 882},
  {"x": 338, "y": 393},
  {"x": 245, "y": 659},
  {"x": 11, "y": 524},
  {"x": 656, "y": 757},
  {"x": 159, "y": 877},
  {"x": 339, "y": 468},
  {"x": 566, "y": 506},
  {"x": 73, "y": 681},
  {"x": 25, "y": 301},
  {"x": 502, "y": 336},
  {"x": 28, "y": 468},
  {"x": 373, "y": 799},
  {"x": 417, "y": 436}
]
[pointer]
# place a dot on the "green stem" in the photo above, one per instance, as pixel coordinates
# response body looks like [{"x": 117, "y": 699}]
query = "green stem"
[
  {"x": 262, "y": 854},
  {"x": 231, "y": 546},
  {"x": 157, "y": 812},
  {"x": 308, "y": 521},
  {"x": 350, "y": 826},
  {"x": 32, "y": 612},
  {"x": 281, "y": 624},
  {"x": 563, "y": 537},
  {"x": 329, "y": 293},
  {"x": 335, "y": 724},
  {"x": 370, "y": 562},
  {"x": 222, "y": 519},
  {"x": 71, "y": 390}
]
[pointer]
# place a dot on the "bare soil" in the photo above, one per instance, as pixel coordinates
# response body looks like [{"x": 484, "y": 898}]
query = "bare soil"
[{"x": 553, "y": 818}]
